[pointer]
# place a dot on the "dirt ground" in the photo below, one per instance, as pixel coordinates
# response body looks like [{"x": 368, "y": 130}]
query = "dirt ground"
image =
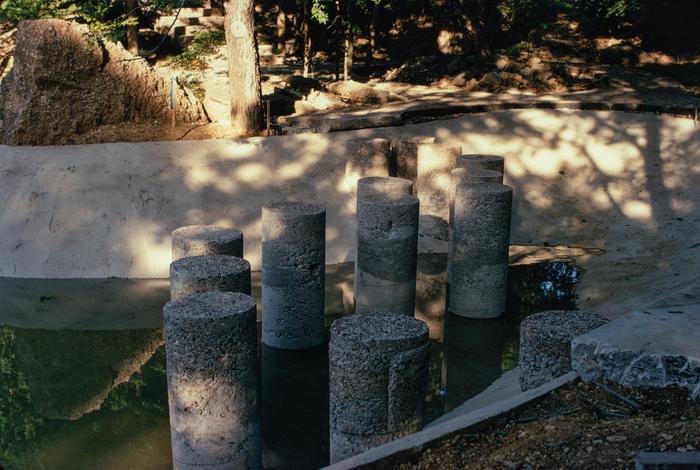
[{"x": 578, "y": 426}]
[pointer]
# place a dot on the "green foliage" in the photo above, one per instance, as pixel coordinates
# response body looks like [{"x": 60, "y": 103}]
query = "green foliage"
[
  {"x": 525, "y": 15},
  {"x": 18, "y": 422},
  {"x": 14, "y": 11},
  {"x": 193, "y": 57}
]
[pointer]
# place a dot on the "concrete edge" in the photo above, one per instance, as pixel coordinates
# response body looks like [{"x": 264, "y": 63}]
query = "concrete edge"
[
  {"x": 326, "y": 123},
  {"x": 387, "y": 455}
]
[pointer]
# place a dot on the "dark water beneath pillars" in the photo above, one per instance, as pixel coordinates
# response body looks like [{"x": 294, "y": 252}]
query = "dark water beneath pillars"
[{"x": 82, "y": 366}]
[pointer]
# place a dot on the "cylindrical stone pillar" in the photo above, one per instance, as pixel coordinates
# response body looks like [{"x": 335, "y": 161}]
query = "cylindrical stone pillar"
[
  {"x": 466, "y": 176},
  {"x": 293, "y": 274},
  {"x": 378, "y": 371},
  {"x": 435, "y": 164},
  {"x": 404, "y": 157},
  {"x": 212, "y": 373},
  {"x": 388, "y": 185},
  {"x": 200, "y": 240},
  {"x": 545, "y": 344},
  {"x": 195, "y": 274},
  {"x": 479, "y": 250},
  {"x": 365, "y": 157},
  {"x": 387, "y": 246},
  {"x": 482, "y": 162}
]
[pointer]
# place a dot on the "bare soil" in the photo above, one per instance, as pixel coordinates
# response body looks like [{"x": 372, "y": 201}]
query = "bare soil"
[{"x": 578, "y": 426}]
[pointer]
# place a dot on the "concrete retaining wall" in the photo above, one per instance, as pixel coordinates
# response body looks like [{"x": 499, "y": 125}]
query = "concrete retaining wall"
[{"x": 625, "y": 183}]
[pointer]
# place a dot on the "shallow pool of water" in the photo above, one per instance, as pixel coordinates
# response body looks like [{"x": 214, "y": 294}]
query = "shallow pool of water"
[{"x": 82, "y": 366}]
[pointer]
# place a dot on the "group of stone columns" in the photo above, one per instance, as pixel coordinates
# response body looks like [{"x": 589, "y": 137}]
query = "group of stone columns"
[{"x": 378, "y": 357}]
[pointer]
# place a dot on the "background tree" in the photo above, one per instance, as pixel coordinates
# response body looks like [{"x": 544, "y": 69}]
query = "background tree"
[{"x": 243, "y": 68}]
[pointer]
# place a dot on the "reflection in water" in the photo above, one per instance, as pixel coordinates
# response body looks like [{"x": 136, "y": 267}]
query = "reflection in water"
[
  {"x": 295, "y": 407},
  {"x": 477, "y": 352},
  {"x": 94, "y": 395}
]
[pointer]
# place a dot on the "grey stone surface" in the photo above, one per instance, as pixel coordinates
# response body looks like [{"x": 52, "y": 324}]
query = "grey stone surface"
[
  {"x": 651, "y": 348},
  {"x": 195, "y": 274},
  {"x": 433, "y": 180},
  {"x": 365, "y": 157},
  {"x": 545, "y": 344},
  {"x": 200, "y": 240},
  {"x": 404, "y": 157},
  {"x": 387, "y": 243},
  {"x": 212, "y": 372},
  {"x": 390, "y": 186},
  {"x": 293, "y": 274},
  {"x": 378, "y": 368},
  {"x": 478, "y": 269},
  {"x": 482, "y": 162}
]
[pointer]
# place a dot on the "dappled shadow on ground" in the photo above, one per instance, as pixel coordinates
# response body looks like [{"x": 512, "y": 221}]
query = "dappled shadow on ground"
[{"x": 623, "y": 183}]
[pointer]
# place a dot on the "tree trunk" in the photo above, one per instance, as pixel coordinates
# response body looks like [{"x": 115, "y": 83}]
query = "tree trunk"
[
  {"x": 132, "y": 31},
  {"x": 306, "y": 39},
  {"x": 243, "y": 68},
  {"x": 372, "y": 38},
  {"x": 349, "y": 48},
  {"x": 281, "y": 28}
]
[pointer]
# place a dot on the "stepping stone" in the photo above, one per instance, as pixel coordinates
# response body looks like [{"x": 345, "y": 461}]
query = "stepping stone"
[{"x": 650, "y": 348}]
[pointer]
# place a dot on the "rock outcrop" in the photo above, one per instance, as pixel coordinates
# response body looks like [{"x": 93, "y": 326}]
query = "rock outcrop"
[{"x": 66, "y": 82}]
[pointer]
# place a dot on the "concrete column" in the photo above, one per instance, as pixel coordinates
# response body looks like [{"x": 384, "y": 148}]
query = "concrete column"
[
  {"x": 404, "y": 156},
  {"x": 365, "y": 157},
  {"x": 435, "y": 163},
  {"x": 479, "y": 250},
  {"x": 545, "y": 344},
  {"x": 378, "y": 371},
  {"x": 293, "y": 275},
  {"x": 200, "y": 240},
  {"x": 387, "y": 242},
  {"x": 481, "y": 162},
  {"x": 388, "y": 185},
  {"x": 195, "y": 274},
  {"x": 212, "y": 372},
  {"x": 466, "y": 176}
]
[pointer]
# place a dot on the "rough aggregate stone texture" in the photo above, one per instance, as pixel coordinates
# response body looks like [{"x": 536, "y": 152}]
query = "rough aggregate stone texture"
[
  {"x": 389, "y": 186},
  {"x": 195, "y": 274},
  {"x": 200, "y": 240},
  {"x": 387, "y": 245},
  {"x": 478, "y": 269},
  {"x": 365, "y": 157},
  {"x": 651, "y": 348},
  {"x": 482, "y": 162},
  {"x": 545, "y": 344},
  {"x": 212, "y": 372},
  {"x": 404, "y": 157},
  {"x": 293, "y": 274},
  {"x": 64, "y": 82},
  {"x": 433, "y": 180},
  {"x": 378, "y": 368}
]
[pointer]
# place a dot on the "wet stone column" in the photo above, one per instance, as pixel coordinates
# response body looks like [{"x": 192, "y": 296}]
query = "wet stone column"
[
  {"x": 404, "y": 156},
  {"x": 378, "y": 371},
  {"x": 195, "y": 274},
  {"x": 479, "y": 250},
  {"x": 435, "y": 164},
  {"x": 200, "y": 240},
  {"x": 482, "y": 162},
  {"x": 365, "y": 157},
  {"x": 387, "y": 239},
  {"x": 293, "y": 274},
  {"x": 212, "y": 372}
]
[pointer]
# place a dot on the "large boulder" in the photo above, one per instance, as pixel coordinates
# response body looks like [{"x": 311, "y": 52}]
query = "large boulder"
[
  {"x": 66, "y": 82},
  {"x": 361, "y": 93}
]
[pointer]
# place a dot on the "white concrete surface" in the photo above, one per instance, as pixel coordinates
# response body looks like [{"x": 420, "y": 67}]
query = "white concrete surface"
[{"x": 625, "y": 183}]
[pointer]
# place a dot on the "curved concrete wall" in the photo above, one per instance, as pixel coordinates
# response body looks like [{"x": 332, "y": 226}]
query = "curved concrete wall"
[{"x": 626, "y": 183}]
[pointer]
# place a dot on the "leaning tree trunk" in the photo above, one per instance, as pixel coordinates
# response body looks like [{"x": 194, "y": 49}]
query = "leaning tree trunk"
[{"x": 243, "y": 68}]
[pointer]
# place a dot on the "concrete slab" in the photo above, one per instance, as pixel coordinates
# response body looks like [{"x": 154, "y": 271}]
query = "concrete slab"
[{"x": 649, "y": 348}]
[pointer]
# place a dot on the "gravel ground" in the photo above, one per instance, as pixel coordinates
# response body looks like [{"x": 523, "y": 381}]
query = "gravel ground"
[{"x": 578, "y": 426}]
